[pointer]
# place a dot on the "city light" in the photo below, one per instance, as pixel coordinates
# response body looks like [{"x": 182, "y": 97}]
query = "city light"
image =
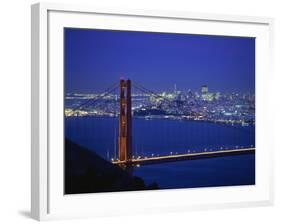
[{"x": 226, "y": 108}]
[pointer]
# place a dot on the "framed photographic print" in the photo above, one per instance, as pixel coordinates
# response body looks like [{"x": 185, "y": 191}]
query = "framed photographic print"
[{"x": 147, "y": 111}]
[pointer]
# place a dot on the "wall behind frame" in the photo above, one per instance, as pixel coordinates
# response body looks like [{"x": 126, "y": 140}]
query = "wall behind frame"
[{"x": 15, "y": 110}]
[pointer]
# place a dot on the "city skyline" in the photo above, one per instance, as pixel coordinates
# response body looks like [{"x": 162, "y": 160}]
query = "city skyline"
[
  {"x": 94, "y": 59},
  {"x": 172, "y": 89}
]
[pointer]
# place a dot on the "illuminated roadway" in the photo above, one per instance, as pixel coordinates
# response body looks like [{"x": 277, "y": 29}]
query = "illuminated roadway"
[{"x": 188, "y": 156}]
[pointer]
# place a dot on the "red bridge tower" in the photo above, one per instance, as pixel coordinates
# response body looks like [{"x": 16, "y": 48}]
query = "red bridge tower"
[{"x": 125, "y": 121}]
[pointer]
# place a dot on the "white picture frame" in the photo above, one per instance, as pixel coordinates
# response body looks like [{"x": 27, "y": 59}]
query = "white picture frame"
[{"x": 47, "y": 198}]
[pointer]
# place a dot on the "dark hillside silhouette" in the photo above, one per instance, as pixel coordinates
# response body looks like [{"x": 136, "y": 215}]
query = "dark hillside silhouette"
[{"x": 87, "y": 172}]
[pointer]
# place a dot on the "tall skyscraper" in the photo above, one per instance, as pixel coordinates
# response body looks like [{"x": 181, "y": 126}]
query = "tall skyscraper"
[{"x": 204, "y": 89}]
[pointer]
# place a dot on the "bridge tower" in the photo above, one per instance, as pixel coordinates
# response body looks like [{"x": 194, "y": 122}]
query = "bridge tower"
[{"x": 125, "y": 121}]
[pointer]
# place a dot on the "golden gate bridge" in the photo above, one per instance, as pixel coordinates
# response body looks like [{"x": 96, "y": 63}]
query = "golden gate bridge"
[{"x": 125, "y": 138}]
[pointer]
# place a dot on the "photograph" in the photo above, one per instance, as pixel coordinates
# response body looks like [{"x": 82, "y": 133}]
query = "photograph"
[{"x": 156, "y": 111}]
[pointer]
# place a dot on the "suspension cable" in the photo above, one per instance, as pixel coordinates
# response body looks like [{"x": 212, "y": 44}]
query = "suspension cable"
[
  {"x": 150, "y": 92},
  {"x": 91, "y": 101}
]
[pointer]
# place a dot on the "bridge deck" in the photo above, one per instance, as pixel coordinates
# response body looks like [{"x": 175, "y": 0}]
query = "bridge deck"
[{"x": 189, "y": 156}]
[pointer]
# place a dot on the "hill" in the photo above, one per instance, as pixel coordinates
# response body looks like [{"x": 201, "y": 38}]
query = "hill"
[{"x": 87, "y": 172}]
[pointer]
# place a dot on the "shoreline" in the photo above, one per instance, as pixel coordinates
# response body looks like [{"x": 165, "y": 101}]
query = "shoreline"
[{"x": 175, "y": 118}]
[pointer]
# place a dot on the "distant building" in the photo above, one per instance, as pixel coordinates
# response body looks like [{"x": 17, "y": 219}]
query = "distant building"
[
  {"x": 208, "y": 96},
  {"x": 175, "y": 89},
  {"x": 204, "y": 89},
  {"x": 217, "y": 95},
  {"x": 176, "y": 92}
]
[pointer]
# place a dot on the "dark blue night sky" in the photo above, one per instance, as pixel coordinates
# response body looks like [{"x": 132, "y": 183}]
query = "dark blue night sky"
[{"x": 95, "y": 59}]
